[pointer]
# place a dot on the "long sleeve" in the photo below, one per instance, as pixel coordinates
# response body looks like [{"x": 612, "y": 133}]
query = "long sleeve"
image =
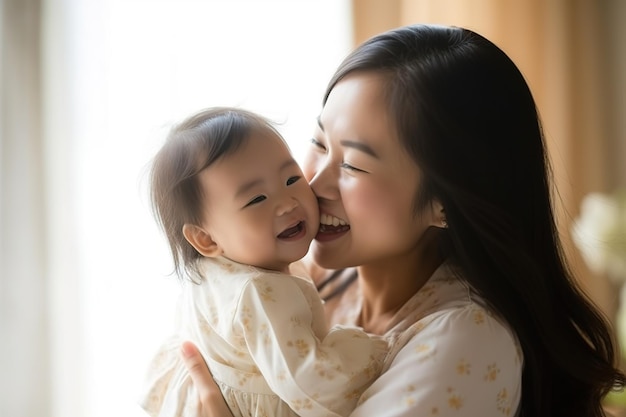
[{"x": 316, "y": 373}]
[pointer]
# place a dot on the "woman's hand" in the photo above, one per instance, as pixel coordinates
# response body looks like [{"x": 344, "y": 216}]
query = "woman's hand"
[{"x": 211, "y": 402}]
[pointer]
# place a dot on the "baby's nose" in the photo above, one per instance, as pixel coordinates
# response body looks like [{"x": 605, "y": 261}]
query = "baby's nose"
[{"x": 287, "y": 205}]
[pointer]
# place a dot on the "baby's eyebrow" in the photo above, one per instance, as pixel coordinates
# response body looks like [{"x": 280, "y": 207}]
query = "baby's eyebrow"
[
  {"x": 288, "y": 163},
  {"x": 244, "y": 188}
]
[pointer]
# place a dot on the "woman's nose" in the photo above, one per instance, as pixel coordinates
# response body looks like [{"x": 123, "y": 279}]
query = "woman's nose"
[{"x": 322, "y": 179}]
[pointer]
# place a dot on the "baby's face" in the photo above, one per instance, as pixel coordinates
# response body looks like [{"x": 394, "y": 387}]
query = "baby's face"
[{"x": 259, "y": 208}]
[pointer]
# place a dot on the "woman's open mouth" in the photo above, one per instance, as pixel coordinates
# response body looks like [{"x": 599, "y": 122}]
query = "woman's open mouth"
[
  {"x": 331, "y": 227},
  {"x": 325, "y": 228}
]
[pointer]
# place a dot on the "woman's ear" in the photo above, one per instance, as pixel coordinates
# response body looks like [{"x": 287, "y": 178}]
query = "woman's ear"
[
  {"x": 201, "y": 241},
  {"x": 439, "y": 214}
]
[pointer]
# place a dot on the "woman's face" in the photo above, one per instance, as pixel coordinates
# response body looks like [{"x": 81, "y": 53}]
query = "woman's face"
[{"x": 364, "y": 179}]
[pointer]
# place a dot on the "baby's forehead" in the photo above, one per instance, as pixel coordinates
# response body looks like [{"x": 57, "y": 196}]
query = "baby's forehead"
[
  {"x": 265, "y": 129},
  {"x": 259, "y": 153},
  {"x": 267, "y": 133}
]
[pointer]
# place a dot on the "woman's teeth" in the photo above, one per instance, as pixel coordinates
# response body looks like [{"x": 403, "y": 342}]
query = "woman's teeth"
[{"x": 327, "y": 219}]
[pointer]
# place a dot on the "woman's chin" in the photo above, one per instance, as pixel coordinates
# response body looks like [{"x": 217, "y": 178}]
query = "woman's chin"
[{"x": 327, "y": 257}]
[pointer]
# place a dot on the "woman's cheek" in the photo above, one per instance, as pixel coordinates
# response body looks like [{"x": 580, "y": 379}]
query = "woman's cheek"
[
  {"x": 362, "y": 197},
  {"x": 382, "y": 202}
]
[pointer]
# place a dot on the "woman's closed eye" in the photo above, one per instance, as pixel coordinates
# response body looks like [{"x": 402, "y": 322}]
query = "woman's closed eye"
[
  {"x": 349, "y": 167},
  {"x": 255, "y": 200},
  {"x": 318, "y": 144}
]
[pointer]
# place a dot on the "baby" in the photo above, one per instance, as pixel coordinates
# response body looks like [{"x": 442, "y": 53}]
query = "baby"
[{"x": 237, "y": 212}]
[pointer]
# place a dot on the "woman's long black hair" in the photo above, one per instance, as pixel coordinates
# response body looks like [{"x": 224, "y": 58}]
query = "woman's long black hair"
[{"x": 467, "y": 117}]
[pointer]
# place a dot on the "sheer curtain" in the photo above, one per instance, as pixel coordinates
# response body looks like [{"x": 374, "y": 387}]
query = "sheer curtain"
[
  {"x": 24, "y": 366},
  {"x": 89, "y": 89}
]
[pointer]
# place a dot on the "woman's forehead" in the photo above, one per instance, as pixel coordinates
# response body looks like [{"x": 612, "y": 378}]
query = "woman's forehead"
[{"x": 357, "y": 107}]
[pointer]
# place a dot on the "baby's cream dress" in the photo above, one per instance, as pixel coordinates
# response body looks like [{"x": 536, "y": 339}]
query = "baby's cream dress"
[{"x": 265, "y": 338}]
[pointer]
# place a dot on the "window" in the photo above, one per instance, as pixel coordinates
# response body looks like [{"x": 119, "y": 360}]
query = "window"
[{"x": 140, "y": 66}]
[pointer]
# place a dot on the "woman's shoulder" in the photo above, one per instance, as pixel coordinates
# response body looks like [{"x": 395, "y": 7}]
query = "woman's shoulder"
[
  {"x": 468, "y": 326},
  {"x": 447, "y": 313},
  {"x": 461, "y": 312},
  {"x": 465, "y": 360}
]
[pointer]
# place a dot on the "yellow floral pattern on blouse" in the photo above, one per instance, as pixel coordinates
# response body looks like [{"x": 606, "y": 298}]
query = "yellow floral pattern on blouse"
[
  {"x": 450, "y": 356},
  {"x": 267, "y": 343}
]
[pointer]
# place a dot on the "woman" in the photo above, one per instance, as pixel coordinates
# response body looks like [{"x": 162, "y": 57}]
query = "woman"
[{"x": 431, "y": 172}]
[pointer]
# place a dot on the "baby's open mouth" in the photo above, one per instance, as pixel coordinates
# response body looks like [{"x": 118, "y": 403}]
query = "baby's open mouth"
[{"x": 292, "y": 231}]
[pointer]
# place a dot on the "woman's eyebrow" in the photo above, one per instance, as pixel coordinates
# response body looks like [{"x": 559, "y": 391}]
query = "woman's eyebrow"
[
  {"x": 360, "y": 146},
  {"x": 319, "y": 123}
]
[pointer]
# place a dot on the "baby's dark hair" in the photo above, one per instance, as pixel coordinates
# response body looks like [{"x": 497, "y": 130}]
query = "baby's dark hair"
[{"x": 175, "y": 189}]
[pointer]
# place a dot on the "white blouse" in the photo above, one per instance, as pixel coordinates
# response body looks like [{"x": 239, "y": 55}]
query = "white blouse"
[
  {"x": 450, "y": 356},
  {"x": 266, "y": 340}
]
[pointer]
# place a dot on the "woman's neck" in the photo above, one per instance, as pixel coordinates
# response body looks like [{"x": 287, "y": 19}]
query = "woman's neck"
[{"x": 387, "y": 286}]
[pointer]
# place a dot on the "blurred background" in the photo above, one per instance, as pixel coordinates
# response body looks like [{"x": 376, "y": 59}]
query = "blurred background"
[{"x": 89, "y": 88}]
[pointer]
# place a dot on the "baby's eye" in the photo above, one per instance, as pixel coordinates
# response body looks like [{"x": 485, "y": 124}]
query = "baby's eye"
[
  {"x": 256, "y": 200},
  {"x": 293, "y": 179},
  {"x": 318, "y": 144}
]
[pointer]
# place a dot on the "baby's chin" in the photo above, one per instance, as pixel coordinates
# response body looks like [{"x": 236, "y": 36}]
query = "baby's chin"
[{"x": 302, "y": 253}]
